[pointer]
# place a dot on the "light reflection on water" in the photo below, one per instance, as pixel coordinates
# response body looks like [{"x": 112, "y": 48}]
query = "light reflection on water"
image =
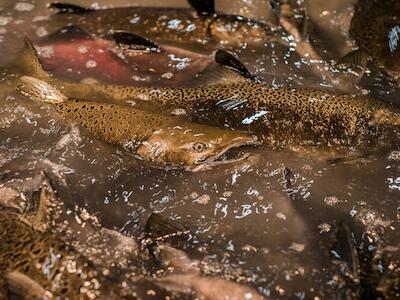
[{"x": 247, "y": 225}]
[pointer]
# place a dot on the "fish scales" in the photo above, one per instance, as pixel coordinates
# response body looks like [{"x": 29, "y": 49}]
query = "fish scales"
[
  {"x": 295, "y": 114},
  {"x": 115, "y": 124},
  {"x": 373, "y": 25},
  {"x": 52, "y": 264}
]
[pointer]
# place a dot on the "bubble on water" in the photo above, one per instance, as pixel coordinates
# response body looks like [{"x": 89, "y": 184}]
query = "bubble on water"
[
  {"x": 331, "y": 200},
  {"x": 83, "y": 49},
  {"x": 297, "y": 247},
  {"x": 5, "y": 20},
  {"x": 138, "y": 78},
  {"x": 91, "y": 64},
  {"x": 281, "y": 216},
  {"x": 23, "y": 6},
  {"x": 134, "y": 20},
  {"x": 45, "y": 51},
  {"x": 203, "y": 199},
  {"x": 41, "y": 32},
  {"x": 167, "y": 75},
  {"x": 178, "y": 112},
  {"x": 40, "y": 18},
  {"x": 394, "y": 155},
  {"x": 324, "y": 227}
]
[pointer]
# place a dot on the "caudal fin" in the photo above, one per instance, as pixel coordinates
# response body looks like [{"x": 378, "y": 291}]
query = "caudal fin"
[{"x": 39, "y": 90}]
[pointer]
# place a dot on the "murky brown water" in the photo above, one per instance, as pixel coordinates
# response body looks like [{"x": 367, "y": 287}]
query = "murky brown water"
[{"x": 243, "y": 220}]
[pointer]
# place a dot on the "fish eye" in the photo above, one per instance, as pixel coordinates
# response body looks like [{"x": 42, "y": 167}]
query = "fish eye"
[{"x": 199, "y": 147}]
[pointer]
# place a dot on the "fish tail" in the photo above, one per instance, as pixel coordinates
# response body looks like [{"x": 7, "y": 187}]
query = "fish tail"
[{"x": 39, "y": 90}]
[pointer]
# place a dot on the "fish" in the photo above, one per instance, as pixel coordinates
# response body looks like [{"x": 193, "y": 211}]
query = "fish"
[
  {"x": 278, "y": 116},
  {"x": 375, "y": 28},
  {"x": 125, "y": 58},
  {"x": 37, "y": 263},
  {"x": 184, "y": 273},
  {"x": 201, "y": 24},
  {"x": 164, "y": 140}
]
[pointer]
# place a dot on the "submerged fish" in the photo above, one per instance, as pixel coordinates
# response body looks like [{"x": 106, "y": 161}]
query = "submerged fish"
[
  {"x": 124, "y": 58},
  {"x": 376, "y": 30},
  {"x": 183, "y": 274},
  {"x": 164, "y": 140},
  {"x": 37, "y": 263},
  {"x": 199, "y": 25}
]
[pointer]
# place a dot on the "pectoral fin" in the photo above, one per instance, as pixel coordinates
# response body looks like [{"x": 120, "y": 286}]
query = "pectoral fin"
[
  {"x": 67, "y": 8},
  {"x": 25, "y": 287},
  {"x": 28, "y": 63},
  {"x": 228, "y": 60},
  {"x": 126, "y": 40}
]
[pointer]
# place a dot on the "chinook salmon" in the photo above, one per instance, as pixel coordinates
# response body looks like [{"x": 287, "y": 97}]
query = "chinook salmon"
[
  {"x": 38, "y": 262},
  {"x": 164, "y": 140},
  {"x": 202, "y": 24},
  {"x": 278, "y": 116},
  {"x": 375, "y": 27},
  {"x": 123, "y": 58}
]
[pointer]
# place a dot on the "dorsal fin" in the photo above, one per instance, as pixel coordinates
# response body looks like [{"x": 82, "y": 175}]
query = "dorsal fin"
[
  {"x": 28, "y": 63},
  {"x": 70, "y": 32},
  {"x": 67, "y": 8},
  {"x": 203, "y": 7},
  {"x": 126, "y": 40},
  {"x": 228, "y": 60}
]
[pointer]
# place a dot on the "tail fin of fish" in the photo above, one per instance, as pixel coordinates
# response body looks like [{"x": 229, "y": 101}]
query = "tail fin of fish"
[
  {"x": 39, "y": 90},
  {"x": 27, "y": 62}
]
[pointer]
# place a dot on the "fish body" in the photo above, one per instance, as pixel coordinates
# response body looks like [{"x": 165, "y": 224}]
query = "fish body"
[
  {"x": 162, "y": 139},
  {"x": 74, "y": 54},
  {"x": 52, "y": 264},
  {"x": 376, "y": 30},
  {"x": 278, "y": 116},
  {"x": 176, "y": 25}
]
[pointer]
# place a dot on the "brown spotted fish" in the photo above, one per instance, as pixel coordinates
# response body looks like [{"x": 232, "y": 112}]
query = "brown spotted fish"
[
  {"x": 37, "y": 262},
  {"x": 278, "y": 116},
  {"x": 201, "y": 25},
  {"x": 376, "y": 30},
  {"x": 164, "y": 140}
]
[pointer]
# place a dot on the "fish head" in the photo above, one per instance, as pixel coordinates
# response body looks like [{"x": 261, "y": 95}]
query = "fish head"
[
  {"x": 193, "y": 146},
  {"x": 238, "y": 31}
]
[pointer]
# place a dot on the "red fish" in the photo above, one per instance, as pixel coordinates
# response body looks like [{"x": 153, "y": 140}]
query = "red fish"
[{"x": 127, "y": 59}]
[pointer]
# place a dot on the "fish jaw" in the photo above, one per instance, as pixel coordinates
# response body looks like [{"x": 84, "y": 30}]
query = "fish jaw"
[
  {"x": 213, "y": 160},
  {"x": 171, "y": 147}
]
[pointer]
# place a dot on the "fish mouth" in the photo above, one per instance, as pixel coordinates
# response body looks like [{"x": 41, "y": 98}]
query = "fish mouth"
[{"x": 222, "y": 157}]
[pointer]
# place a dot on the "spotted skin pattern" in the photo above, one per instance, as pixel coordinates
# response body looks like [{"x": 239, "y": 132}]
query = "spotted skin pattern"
[
  {"x": 46, "y": 259},
  {"x": 370, "y": 27},
  {"x": 290, "y": 115},
  {"x": 114, "y": 123}
]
